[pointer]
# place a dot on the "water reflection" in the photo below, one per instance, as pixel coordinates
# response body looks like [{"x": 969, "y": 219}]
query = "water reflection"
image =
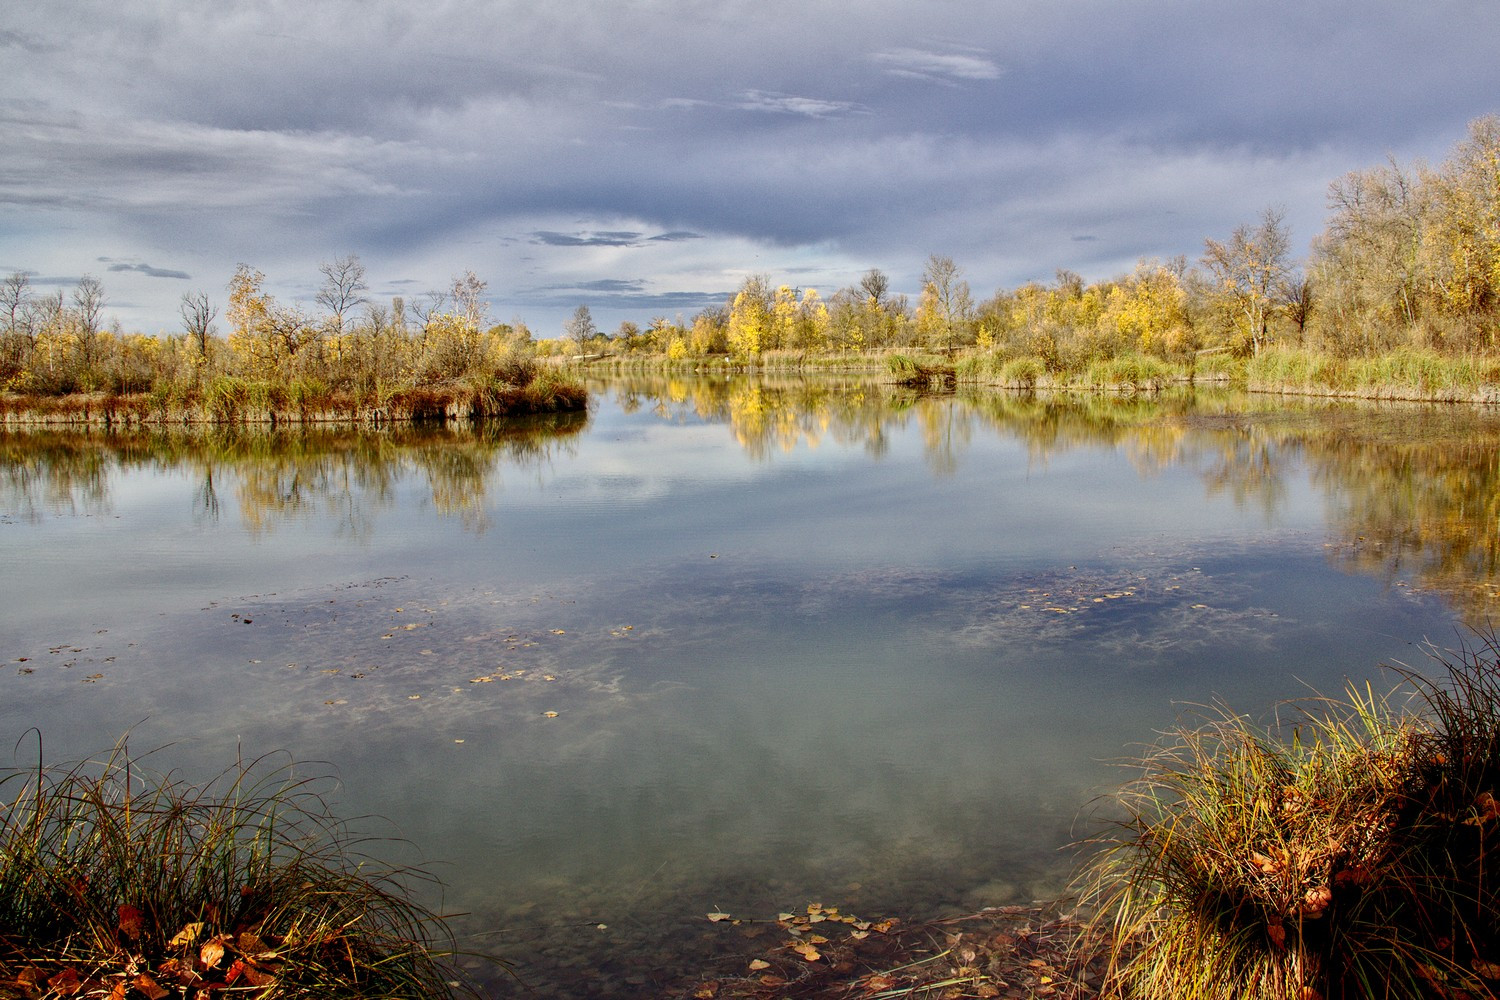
[
  {"x": 1413, "y": 492},
  {"x": 347, "y": 475}
]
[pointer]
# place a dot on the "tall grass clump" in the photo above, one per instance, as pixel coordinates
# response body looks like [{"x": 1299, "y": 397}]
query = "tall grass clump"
[
  {"x": 1354, "y": 853},
  {"x": 1023, "y": 373},
  {"x": 118, "y": 881}
]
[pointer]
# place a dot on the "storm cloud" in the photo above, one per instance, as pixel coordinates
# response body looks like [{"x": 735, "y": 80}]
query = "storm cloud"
[{"x": 644, "y": 156}]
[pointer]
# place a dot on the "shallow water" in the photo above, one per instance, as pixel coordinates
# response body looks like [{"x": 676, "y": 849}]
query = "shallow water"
[{"x": 727, "y": 646}]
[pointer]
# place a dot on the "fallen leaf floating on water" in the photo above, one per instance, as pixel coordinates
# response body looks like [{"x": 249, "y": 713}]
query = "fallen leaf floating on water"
[
  {"x": 759, "y": 964},
  {"x": 550, "y": 715},
  {"x": 807, "y": 951},
  {"x": 716, "y": 916}
]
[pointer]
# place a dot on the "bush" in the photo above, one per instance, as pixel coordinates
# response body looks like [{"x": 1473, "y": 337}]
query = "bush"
[
  {"x": 1347, "y": 855},
  {"x": 117, "y": 879}
]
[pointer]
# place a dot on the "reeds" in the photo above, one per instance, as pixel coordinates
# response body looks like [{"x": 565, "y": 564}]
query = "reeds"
[
  {"x": 121, "y": 880},
  {"x": 1347, "y": 853}
]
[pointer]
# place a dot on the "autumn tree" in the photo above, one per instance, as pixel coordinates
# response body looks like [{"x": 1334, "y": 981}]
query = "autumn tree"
[
  {"x": 342, "y": 290},
  {"x": 709, "y": 333},
  {"x": 946, "y": 306},
  {"x": 15, "y": 293},
  {"x": 1145, "y": 311},
  {"x": 468, "y": 297},
  {"x": 580, "y": 327},
  {"x": 875, "y": 285},
  {"x": 1367, "y": 263},
  {"x": 1249, "y": 269},
  {"x": 88, "y": 303},
  {"x": 1465, "y": 234},
  {"x": 197, "y": 320},
  {"x": 751, "y": 327}
]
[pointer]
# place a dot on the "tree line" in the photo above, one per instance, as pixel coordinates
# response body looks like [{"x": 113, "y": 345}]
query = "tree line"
[
  {"x": 53, "y": 344},
  {"x": 1409, "y": 258}
]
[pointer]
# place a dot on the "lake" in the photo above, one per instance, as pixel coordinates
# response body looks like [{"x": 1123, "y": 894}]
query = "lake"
[{"x": 729, "y": 645}]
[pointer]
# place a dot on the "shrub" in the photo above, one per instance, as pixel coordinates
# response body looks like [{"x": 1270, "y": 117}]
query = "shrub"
[
  {"x": 118, "y": 879},
  {"x": 1347, "y": 855}
]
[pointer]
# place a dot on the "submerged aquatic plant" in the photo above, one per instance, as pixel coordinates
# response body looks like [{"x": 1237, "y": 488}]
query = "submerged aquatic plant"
[
  {"x": 117, "y": 879},
  {"x": 1349, "y": 853}
]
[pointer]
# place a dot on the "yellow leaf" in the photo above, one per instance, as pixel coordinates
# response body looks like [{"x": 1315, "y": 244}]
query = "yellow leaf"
[
  {"x": 186, "y": 936},
  {"x": 807, "y": 951},
  {"x": 758, "y": 965},
  {"x": 715, "y": 916},
  {"x": 211, "y": 953},
  {"x": 550, "y": 715}
]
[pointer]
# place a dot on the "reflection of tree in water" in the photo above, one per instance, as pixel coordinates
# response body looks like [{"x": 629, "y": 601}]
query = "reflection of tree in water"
[
  {"x": 1414, "y": 491},
  {"x": 1418, "y": 496},
  {"x": 278, "y": 476},
  {"x": 53, "y": 473}
]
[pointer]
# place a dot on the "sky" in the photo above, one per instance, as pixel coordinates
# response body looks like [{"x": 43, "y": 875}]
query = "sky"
[{"x": 643, "y": 157}]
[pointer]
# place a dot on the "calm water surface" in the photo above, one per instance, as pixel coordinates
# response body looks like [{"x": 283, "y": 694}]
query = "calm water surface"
[{"x": 727, "y": 646}]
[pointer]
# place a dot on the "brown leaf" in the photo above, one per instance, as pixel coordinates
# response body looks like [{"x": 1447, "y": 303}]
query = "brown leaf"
[
  {"x": 65, "y": 983},
  {"x": 251, "y": 944},
  {"x": 1484, "y": 969},
  {"x": 1263, "y": 864},
  {"x": 148, "y": 986},
  {"x": 212, "y": 952},
  {"x": 1315, "y": 901},
  {"x": 1276, "y": 931},
  {"x": 132, "y": 920},
  {"x": 256, "y": 977}
]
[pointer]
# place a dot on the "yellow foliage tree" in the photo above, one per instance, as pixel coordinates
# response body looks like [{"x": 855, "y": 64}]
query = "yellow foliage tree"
[
  {"x": 750, "y": 322},
  {"x": 1147, "y": 309}
]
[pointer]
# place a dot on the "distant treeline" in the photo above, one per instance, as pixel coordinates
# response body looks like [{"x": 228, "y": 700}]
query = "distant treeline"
[
  {"x": 1409, "y": 261},
  {"x": 355, "y": 360}
]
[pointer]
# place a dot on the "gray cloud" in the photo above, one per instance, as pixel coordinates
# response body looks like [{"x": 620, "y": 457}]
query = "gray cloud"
[
  {"x": 25, "y": 42},
  {"x": 811, "y": 107},
  {"x": 146, "y": 269},
  {"x": 937, "y": 67},
  {"x": 719, "y": 140},
  {"x": 604, "y": 239}
]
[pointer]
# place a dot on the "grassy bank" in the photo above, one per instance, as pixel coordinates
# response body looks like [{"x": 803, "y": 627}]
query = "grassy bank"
[
  {"x": 1405, "y": 374},
  {"x": 231, "y": 400},
  {"x": 118, "y": 882}
]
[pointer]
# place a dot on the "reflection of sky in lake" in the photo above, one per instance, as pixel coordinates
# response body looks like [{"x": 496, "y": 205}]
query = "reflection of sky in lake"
[{"x": 842, "y": 677}]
